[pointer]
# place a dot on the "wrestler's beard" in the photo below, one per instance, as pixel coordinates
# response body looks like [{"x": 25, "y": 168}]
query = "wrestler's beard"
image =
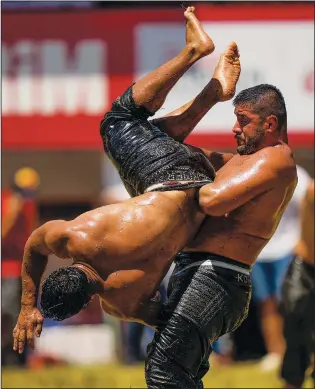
[{"x": 250, "y": 145}]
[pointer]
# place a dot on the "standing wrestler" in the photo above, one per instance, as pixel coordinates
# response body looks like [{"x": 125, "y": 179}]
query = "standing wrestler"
[
  {"x": 209, "y": 290},
  {"x": 298, "y": 301}
]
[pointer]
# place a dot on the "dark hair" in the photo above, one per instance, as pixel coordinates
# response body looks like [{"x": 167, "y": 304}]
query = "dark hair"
[
  {"x": 64, "y": 293},
  {"x": 265, "y": 100}
]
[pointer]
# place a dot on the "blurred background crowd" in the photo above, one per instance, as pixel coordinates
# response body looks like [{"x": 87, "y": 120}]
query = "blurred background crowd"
[{"x": 62, "y": 64}]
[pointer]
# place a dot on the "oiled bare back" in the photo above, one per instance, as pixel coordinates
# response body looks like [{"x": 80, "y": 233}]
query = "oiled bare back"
[
  {"x": 131, "y": 244},
  {"x": 132, "y": 231}
]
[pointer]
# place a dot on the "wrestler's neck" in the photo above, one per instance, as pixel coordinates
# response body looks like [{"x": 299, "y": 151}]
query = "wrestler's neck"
[
  {"x": 271, "y": 141},
  {"x": 96, "y": 283}
]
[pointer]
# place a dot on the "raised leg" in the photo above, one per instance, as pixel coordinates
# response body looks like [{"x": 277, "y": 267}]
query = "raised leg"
[
  {"x": 179, "y": 123},
  {"x": 151, "y": 90}
]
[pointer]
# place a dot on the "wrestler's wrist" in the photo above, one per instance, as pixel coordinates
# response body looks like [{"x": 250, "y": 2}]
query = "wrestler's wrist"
[
  {"x": 29, "y": 301},
  {"x": 27, "y": 304},
  {"x": 27, "y": 308}
]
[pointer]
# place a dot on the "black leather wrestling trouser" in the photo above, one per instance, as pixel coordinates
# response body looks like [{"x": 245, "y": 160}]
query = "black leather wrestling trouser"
[
  {"x": 146, "y": 158},
  {"x": 208, "y": 296},
  {"x": 298, "y": 308}
]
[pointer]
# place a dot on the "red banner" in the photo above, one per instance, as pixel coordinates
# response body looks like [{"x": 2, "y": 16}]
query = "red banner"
[{"x": 62, "y": 70}]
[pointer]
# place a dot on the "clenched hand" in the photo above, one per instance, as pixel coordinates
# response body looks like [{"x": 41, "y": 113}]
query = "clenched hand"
[{"x": 30, "y": 320}]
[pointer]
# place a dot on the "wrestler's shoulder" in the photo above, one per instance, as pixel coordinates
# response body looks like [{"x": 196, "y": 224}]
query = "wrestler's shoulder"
[
  {"x": 279, "y": 157},
  {"x": 280, "y": 160}
]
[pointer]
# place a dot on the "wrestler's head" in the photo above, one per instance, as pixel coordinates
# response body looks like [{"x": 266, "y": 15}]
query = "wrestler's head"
[
  {"x": 64, "y": 293},
  {"x": 261, "y": 118}
]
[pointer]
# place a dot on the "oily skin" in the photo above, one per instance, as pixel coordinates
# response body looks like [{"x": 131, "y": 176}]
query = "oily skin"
[
  {"x": 127, "y": 248},
  {"x": 246, "y": 201},
  {"x": 250, "y": 192}
]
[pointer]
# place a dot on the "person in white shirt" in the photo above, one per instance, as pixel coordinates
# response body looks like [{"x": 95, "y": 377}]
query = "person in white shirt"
[{"x": 269, "y": 270}]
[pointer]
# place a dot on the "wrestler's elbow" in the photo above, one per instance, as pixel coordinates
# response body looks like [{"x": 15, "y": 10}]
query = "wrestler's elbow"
[{"x": 209, "y": 202}]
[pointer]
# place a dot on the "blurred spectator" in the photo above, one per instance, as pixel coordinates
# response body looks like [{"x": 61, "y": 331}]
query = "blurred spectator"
[
  {"x": 18, "y": 220},
  {"x": 268, "y": 274},
  {"x": 298, "y": 301},
  {"x": 223, "y": 350}
]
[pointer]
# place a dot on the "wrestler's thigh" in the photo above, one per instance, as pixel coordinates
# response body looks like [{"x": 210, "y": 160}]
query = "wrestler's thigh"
[{"x": 178, "y": 283}]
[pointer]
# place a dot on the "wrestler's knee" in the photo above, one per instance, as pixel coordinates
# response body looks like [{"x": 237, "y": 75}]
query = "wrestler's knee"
[
  {"x": 127, "y": 101},
  {"x": 123, "y": 112},
  {"x": 163, "y": 372},
  {"x": 177, "y": 348},
  {"x": 126, "y": 105}
]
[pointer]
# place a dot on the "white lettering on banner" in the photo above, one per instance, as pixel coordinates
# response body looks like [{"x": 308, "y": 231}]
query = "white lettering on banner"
[
  {"x": 24, "y": 50},
  {"x": 277, "y": 53},
  {"x": 47, "y": 78}
]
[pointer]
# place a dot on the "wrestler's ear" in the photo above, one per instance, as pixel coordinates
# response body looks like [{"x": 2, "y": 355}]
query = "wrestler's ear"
[{"x": 271, "y": 123}]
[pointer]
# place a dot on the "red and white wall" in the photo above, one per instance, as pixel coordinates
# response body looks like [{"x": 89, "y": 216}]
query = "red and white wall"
[{"x": 62, "y": 70}]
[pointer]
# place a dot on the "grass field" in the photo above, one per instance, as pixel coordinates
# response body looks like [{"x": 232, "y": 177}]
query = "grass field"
[{"x": 239, "y": 375}]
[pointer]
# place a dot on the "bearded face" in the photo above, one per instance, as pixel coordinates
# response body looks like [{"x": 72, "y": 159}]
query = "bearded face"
[
  {"x": 248, "y": 144},
  {"x": 249, "y": 131}
]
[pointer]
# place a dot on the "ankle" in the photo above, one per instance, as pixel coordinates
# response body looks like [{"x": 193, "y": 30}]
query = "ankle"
[
  {"x": 212, "y": 91},
  {"x": 195, "y": 51},
  {"x": 191, "y": 53}
]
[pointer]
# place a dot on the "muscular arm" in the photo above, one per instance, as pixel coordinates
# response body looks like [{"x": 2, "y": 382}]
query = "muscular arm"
[
  {"x": 33, "y": 266},
  {"x": 43, "y": 241},
  {"x": 244, "y": 182}
]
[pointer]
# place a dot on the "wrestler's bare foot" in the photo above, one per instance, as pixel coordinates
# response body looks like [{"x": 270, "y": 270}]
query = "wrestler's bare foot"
[
  {"x": 196, "y": 38},
  {"x": 227, "y": 72}
]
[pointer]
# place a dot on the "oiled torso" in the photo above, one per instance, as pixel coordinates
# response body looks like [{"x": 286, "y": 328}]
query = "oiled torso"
[{"x": 242, "y": 234}]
